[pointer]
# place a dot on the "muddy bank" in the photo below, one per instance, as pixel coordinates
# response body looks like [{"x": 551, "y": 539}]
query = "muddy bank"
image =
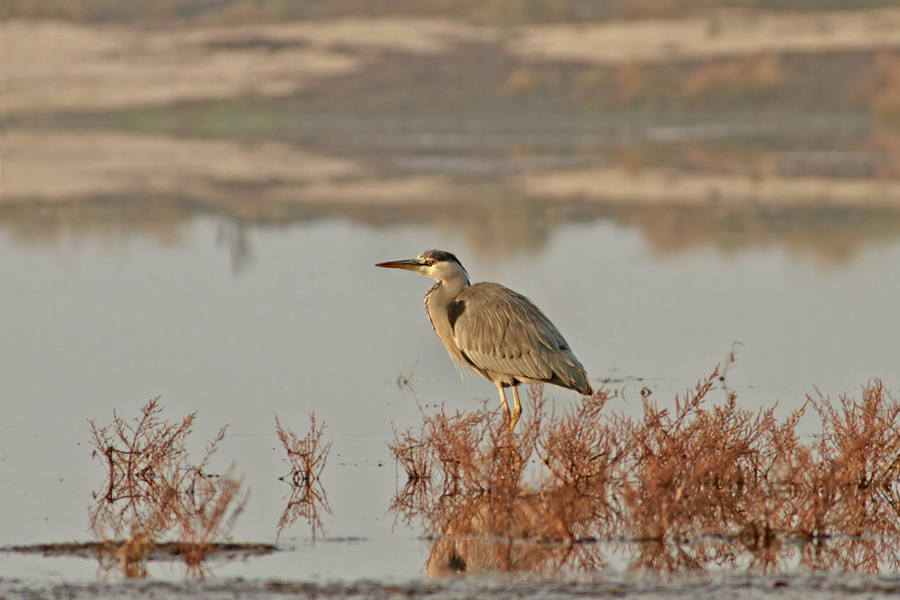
[{"x": 629, "y": 586}]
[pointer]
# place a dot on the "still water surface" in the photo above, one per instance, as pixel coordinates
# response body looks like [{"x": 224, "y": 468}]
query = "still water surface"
[{"x": 307, "y": 324}]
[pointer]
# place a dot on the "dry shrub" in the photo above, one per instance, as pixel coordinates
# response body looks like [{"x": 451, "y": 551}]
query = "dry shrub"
[
  {"x": 841, "y": 491},
  {"x": 861, "y": 447},
  {"x": 581, "y": 454},
  {"x": 466, "y": 455},
  {"x": 697, "y": 472},
  {"x": 153, "y": 492},
  {"x": 466, "y": 475},
  {"x": 700, "y": 485},
  {"x": 306, "y": 458}
]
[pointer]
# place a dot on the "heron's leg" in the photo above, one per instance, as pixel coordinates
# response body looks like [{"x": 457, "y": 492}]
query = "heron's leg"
[
  {"x": 503, "y": 400},
  {"x": 517, "y": 407}
]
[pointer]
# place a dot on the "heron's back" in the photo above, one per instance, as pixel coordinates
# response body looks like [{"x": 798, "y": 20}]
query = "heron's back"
[{"x": 506, "y": 338}]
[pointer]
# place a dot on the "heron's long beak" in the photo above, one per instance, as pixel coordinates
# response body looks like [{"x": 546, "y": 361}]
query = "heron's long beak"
[{"x": 410, "y": 265}]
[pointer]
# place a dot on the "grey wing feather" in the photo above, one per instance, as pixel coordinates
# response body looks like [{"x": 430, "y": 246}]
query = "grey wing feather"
[{"x": 504, "y": 332}]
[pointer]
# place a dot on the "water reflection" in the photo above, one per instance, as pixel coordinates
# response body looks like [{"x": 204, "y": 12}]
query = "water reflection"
[
  {"x": 695, "y": 489},
  {"x": 480, "y": 556},
  {"x": 830, "y": 235},
  {"x": 495, "y": 221}
]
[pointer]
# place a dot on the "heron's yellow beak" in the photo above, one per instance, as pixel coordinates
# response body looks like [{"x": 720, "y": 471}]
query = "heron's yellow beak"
[{"x": 410, "y": 265}]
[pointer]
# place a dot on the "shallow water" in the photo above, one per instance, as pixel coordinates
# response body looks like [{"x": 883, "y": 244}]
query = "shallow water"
[{"x": 307, "y": 324}]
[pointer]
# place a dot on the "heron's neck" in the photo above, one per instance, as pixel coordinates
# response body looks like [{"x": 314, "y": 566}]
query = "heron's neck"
[
  {"x": 447, "y": 290},
  {"x": 442, "y": 294},
  {"x": 437, "y": 300}
]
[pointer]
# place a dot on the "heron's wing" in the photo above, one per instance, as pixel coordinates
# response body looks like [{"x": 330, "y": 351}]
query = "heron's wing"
[{"x": 502, "y": 331}]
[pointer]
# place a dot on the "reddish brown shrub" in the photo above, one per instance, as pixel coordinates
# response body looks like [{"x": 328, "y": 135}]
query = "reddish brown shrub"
[
  {"x": 153, "y": 492},
  {"x": 708, "y": 485}
]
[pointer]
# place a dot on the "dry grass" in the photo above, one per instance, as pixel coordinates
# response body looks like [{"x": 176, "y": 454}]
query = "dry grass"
[
  {"x": 153, "y": 492},
  {"x": 306, "y": 458},
  {"x": 700, "y": 485}
]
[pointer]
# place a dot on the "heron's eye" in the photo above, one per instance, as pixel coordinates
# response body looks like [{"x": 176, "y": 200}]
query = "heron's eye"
[{"x": 429, "y": 261}]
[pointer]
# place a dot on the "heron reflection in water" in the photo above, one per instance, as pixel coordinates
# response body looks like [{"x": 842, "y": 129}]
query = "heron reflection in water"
[{"x": 501, "y": 334}]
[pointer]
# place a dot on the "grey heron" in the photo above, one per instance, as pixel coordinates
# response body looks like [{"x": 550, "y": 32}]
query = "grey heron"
[{"x": 497, "y": 332}]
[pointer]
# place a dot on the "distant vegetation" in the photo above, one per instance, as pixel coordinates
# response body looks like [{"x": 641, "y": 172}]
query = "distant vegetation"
[{"x": 494, "y": 11}]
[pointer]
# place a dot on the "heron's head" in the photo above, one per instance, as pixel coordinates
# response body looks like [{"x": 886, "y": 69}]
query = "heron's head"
[{"x": 437, "y": 264}]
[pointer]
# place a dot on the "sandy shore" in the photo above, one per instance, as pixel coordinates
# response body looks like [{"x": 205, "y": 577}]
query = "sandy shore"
[
  {"x": 726, "y": 34},
  {"x": 53, "y": 66}
]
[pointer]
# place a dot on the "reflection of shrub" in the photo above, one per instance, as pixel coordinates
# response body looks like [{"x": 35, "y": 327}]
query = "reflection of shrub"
[
  {"x": 153, "y": 492},
  {"x": 739, "y": 476},
  {"x": 306, "y": 457}
]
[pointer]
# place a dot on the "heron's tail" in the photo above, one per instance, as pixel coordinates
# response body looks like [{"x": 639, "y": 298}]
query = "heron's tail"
[
  {"x": 583, "y": 385},
  {"x": 572, "y": 377}
]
